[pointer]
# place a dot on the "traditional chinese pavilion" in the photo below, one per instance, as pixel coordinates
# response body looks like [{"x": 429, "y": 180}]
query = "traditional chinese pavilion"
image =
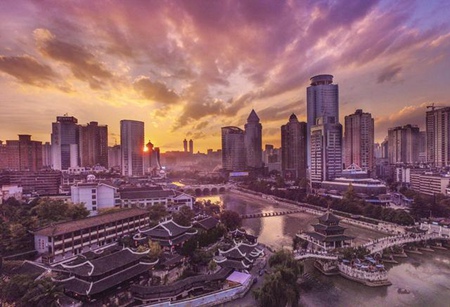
[{"x": 328, "y": 234}]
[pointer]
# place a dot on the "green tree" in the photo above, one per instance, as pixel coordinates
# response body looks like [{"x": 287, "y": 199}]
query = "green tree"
[
  {"x": 15, "y": 288},
  {"x": 155, "y": 250},
  {"x": 212, "y": 265},
  {"x": 184, "y": 216},
  {"x": 280, "y": 288},
  {"x": 76, "y": 211},
  {"x": 231, "y": 219},
  {"x": 157, "y": 212},
  {"x": 44, "y": 293}
]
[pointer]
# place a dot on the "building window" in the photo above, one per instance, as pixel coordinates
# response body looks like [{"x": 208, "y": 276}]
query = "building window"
[
  {"x": 94, "y": 196},
  {"x": 94, "y": 202},
  {"x": 94, "y": 208},
  {"x": 94, "y": 191}
]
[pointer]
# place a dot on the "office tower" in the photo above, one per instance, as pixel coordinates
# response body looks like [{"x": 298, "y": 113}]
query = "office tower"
[
  {"x": 359, "y": 140},
  {"x": 191, "y": 146},
  {"x": 322, "y": 101},
  {"x": 438, "y": 136},
  {"x": 422, "y": 146},
  {"x": 233, "y": 149},
  {"x": 293, "y": 149},
  {"x": 132, "y": 147},
  {"x": 324, "y": 132},
  {"x": 47, "y": 155},
  {"x": 253, "y": 141},
  {"x": 93, "y": 144},
  {"x": 185, "y": 145},
  {"x": 326, "y": 151},
  {"x": 23, "y": 154},
  {"x": 403, "y": 144},
  {"x": 115, "y": 157},
  {"x": 65, "y": 140}
]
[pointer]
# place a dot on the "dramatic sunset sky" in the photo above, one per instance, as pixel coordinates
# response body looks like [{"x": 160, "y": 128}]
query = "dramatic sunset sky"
[{"x": 187, "y": 68}]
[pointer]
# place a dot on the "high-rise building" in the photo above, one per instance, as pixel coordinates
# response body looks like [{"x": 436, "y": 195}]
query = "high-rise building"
[
  {"x": 359, "y": 137},
  {"x": 403, "y": 144},
  {"x": 93, "y": 144},
  {"x": 65, "y": 140},
  {"x": 438, "y": 136},
  {"x": 322, "y": 101},
  {"x": 47, "y": 155},
  {"x": 185, "y": 145},
  {"x": 253, "y": 141},
  {"x": 326, "y": 152},
  {"x": 191, "y": 146},
  {"x": 21, "y": 155},
  {"x": 115, "y": 157},
  {"x": 132, "y": 147},
  {"x": 233, "y": 149},
  {"x": 324, "y": 132},
  {"x": 293, "y": 149}
]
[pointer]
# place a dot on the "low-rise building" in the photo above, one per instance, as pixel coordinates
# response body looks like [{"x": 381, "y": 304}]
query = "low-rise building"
[
  {"x": 429, "y": 183},
  {"x": 92, "y": 274},
  {"x": 66, "y": 239},
  {"x": 148, "y": 196},
  {"x": 95, "y": 196}
]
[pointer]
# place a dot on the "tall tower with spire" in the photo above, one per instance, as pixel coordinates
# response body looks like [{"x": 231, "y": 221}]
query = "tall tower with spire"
[
  {"x": 253, "y": 141},
  {"x": 185, "y": 145}
]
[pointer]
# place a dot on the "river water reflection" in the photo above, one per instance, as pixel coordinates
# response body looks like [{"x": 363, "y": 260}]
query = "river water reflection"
[{"x": 426, "y": 276}]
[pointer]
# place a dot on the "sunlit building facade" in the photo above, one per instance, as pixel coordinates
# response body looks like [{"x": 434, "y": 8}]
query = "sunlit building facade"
[
  {"x": 359, "y": 140},
  {"x": 293, "y": 149},
  {"x": 233, "y": 149},
  {"x": 132, "y": 147},
  {"x": 253, "y": 141}
]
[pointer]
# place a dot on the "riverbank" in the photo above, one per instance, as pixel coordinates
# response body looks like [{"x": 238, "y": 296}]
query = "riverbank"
[{"x": 424, "y": 276}]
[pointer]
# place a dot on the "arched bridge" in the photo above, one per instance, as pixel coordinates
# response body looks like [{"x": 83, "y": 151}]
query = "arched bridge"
[
  {"x": 378, "y": 245},
  {"x": 205, "y": 189}
]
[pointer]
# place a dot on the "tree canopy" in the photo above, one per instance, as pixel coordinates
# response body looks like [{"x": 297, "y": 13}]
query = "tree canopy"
[
  {"x": 231, "y": 219},
  {"x": 280, "y": 288}
]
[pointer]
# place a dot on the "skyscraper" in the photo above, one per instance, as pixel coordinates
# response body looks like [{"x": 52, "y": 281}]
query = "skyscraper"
[
  {"x": 132, "y": 147},
  {"x": 438, "y": 136},
  {"x": 293, "y": 148},
  {"x": 359, "y": 140},
  {"x": 65, "y": 140},
  {"x": 185, "y": 145},
  {"x": 324, "y": 132},
  {"x": 253, "y": 141},
  {"x": 191, "y": 146},
  {"x": 326, "y": 152},
  {"x": 93, "y": 144},
  {"x": 403, "y": 144},
  {"x": 322, "y": 101},
  {"x": 233, "y": 149}
]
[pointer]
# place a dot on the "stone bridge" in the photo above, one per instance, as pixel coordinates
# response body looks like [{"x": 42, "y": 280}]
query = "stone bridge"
[
  {"x": 269, "y": 214},
  {"x": 205, "y": 189},
  {"x": 378, "y": 245},
  {"x": 299, "y": 255}
]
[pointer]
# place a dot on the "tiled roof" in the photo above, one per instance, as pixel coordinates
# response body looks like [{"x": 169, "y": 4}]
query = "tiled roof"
[
  {"x": 82, "y": 287},
  {"x": 145, "y": 193},
  {"x": 167, "y": 229},
  {"x": 178, "y": 287},
  {"x": 67, "y": 227},
  {"x": 208, "y": 223},
  {"x": 329, "y": 217},
  {"x": 105, "y": 264}
]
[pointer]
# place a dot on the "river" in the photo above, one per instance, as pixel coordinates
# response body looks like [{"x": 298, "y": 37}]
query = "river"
[{"x": 426, "y": 276}]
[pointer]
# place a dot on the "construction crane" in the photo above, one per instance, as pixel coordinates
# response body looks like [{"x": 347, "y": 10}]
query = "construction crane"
[{"x": 433, "y": 106}]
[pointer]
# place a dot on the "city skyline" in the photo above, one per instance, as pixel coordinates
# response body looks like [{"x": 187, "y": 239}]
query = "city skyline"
[{"x": 186, "y": 71}]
